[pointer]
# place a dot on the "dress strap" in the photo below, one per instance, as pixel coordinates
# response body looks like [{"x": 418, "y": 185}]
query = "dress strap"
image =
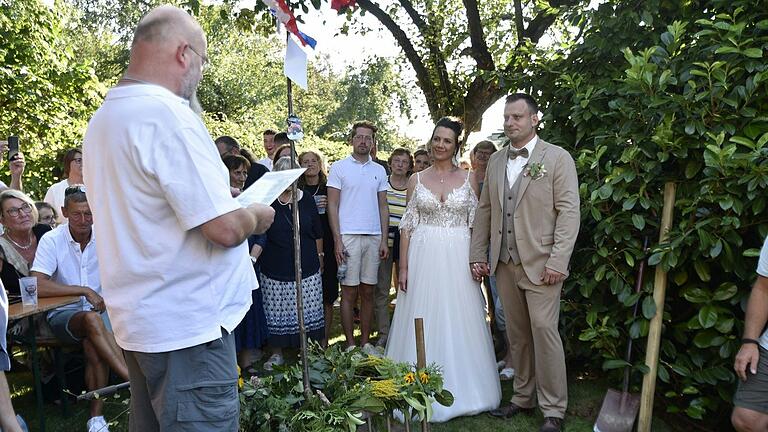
[{"x": 418, "y": 177}]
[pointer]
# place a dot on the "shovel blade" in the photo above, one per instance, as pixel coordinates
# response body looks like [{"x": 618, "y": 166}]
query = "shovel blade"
[{"x": 618, "y": 412}]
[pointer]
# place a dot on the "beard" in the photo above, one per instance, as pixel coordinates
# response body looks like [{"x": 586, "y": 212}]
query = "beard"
[{"x": 189, "y": 92}]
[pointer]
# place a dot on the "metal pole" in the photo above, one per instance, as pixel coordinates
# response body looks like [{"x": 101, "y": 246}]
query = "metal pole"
[{"x": 297, "y": 256}]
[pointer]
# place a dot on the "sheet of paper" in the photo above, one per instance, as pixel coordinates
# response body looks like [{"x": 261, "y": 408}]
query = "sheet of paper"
[
  {"x": 295, "y": 66},
  {"x": 269, "y": 187}
]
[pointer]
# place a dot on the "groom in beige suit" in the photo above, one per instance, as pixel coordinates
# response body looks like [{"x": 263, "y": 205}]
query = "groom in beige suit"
[{"x": 529, "y": 213}]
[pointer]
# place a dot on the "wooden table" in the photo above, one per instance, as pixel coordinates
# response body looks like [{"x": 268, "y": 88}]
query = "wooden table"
[{"x": 18, "y": 311}]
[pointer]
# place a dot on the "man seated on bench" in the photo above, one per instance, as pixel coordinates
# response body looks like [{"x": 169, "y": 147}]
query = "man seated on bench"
[{"x": 66, "y": 264}]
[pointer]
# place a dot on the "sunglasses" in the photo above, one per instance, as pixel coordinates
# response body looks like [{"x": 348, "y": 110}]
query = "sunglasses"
[{"x": 71, "y": 190}]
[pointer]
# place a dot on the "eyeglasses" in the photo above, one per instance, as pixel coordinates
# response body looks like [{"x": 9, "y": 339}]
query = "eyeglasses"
[
  {"x": 46, "y": 219},
  {"x": 14, "y": 211},
  {"x": 202, "y": 57},
  {"x": 71, "y": 190},
  {"x": 364, "y": 138}
]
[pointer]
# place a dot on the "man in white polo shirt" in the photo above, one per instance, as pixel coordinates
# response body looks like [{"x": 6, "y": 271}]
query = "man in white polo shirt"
[
  {"x": 750, "y": 412},
  {"x": 358, "y": 214},
  {"x": 175, "y": 269},
  {"x": 65, "y": 264}
]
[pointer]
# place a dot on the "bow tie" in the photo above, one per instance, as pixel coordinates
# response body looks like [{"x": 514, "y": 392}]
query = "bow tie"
[{"x": 514, "y": 153}]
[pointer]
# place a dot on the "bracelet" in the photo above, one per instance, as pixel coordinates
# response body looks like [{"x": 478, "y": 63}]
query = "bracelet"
[
  {"x": 750, "y": 341},
  {"x": 321, "y": 254}
]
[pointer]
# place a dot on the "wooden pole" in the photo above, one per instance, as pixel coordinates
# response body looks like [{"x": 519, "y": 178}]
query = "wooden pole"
[
  {"x": 421, "y": 358},
  {"x": 654, "y": 331},
  {"x": 297, "y": 256}
]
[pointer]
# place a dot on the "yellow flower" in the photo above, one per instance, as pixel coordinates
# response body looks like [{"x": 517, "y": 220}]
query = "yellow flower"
[
  {"x": 410, "y": 377},
  {"x": 385, "y": 389},
  {"x": 424, "y": 377},
  {"x": 240, "y": 380}
]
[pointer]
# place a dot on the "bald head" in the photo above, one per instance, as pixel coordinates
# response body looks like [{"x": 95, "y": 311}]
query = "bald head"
[
  {"x": 169, "y": 50},
  {"x": 165, "y": 24}
]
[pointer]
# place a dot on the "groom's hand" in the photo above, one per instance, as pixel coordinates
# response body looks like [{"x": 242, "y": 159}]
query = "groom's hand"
[
  {"x": 479, "y": 269},
  {"x": 551, "y": 277}
]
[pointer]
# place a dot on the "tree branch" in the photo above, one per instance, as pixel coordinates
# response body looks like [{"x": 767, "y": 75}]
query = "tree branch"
[
  {"x": 479, "y": 48},
  {"x": 422, "y": 74},
  {"x": 519, "y": 21},
  {"x": 414, "y": 14}
]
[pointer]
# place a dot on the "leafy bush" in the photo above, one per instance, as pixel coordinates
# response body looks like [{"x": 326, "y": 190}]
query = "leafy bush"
[
  {"x": 675, "y": 95},
  {"x": 47, "y": 92}
]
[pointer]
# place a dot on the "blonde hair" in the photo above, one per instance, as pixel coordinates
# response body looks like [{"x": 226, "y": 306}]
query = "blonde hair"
[{"x": 13, "y": 193}]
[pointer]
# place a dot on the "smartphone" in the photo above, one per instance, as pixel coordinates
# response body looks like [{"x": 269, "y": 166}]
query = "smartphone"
[{"x": 13, "y": 147}]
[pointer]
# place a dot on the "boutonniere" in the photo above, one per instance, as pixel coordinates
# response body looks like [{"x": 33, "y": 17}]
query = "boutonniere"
[{"x": 534, "y": 170}]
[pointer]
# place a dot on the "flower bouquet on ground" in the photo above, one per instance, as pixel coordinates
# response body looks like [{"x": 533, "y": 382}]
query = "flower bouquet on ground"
[{"x": 347, "y": 386}]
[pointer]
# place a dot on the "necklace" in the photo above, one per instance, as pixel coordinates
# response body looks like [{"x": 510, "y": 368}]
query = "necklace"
[
  {"x": 442, "y": 179},
  {"x": 29, "y": 244}
]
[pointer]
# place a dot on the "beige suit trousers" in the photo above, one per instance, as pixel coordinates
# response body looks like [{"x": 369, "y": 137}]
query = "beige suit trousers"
[{"x": 532, "y": 313}]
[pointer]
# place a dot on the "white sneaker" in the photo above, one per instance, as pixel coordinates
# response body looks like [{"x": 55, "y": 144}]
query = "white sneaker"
[
  {"x": 97, "y": 424},
  {"x": 274, "y": 360},
  {"x": 507, "y": 374}
]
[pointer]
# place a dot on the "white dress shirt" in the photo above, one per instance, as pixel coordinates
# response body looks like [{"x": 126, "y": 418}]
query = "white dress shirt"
[
  {"x": 515, "y": 166},
  {"x": 60, "y": 257}
]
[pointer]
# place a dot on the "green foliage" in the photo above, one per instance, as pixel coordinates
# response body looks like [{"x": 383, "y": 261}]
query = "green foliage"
[
  {"x": 47, "y": 90},
  {"x": 677, "y": 93},
  {"x": 346, "y": 386}
]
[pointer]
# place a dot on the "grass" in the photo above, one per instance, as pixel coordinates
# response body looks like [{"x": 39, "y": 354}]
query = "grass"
[{"x": 585, "y": 394}]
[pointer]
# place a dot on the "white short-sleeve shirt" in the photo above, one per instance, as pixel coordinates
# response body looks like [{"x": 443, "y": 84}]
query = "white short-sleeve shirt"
[
  {"x": 60, "y": 257},
  {"x": 359, "y": 185},
  {"x": 154, "y": 177},
  {"x": 762, "y": 270}
]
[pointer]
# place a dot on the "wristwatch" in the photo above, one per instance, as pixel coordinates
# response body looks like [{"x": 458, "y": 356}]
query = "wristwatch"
[{"x": 750, "y": 341}]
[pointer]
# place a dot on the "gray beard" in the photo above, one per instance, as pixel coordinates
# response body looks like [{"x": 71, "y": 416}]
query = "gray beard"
[
  {"x": 189, "y": 92},
  {"x": 194, "y": 103}
]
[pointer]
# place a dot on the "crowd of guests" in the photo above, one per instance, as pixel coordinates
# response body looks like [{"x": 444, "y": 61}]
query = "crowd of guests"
[{"x": 271, "y": 324}]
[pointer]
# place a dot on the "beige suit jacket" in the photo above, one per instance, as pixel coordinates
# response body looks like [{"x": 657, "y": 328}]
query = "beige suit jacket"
[{"x": 546, "y": 214}]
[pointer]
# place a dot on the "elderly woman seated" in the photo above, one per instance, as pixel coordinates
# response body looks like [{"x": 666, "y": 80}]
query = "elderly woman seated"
[{"x": 18, "y": 244}]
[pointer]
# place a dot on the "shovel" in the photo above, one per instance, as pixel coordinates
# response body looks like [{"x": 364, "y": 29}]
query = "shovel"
[{"x": 620, "y": 408}]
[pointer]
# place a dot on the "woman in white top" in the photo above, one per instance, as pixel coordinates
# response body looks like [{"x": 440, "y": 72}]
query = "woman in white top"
[{"x": 73, "y": 174}]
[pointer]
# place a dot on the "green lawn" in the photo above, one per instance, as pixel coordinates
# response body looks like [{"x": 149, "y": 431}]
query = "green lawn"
[
  {"x": 585, "y": 397},
  {"x": 584, "y": 400}
]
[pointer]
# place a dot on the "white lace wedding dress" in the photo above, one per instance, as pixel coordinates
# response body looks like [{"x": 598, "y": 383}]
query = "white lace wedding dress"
[{"x": 442, "y": 292}]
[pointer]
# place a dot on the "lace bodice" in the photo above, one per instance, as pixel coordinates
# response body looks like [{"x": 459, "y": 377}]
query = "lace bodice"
[{"x": 425, "y": 208}]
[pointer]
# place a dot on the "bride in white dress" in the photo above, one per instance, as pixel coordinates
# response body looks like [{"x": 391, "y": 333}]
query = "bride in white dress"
[{"x": 435, "y": 282}]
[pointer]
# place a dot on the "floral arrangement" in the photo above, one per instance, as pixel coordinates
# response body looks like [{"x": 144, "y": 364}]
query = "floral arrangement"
[
  {"x": 534, "y": 170},
  {"x": 347, "y": 386}
]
